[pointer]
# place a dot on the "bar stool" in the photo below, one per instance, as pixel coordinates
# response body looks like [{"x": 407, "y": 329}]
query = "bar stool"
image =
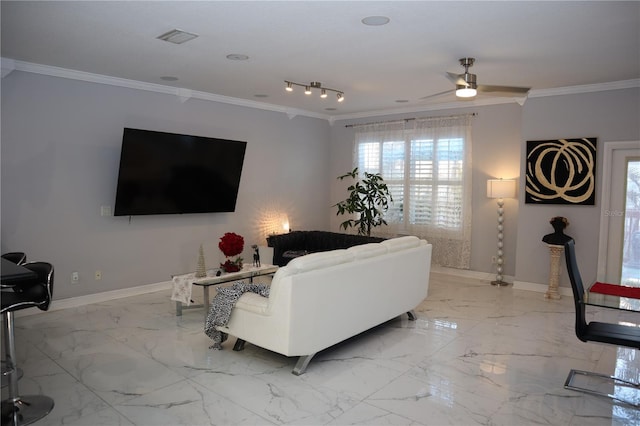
[
  {"x": 18, "y": 258},
  {"x": 25, "y": 409}
]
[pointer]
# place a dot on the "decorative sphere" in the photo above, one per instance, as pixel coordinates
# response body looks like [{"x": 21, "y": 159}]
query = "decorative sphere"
[
  {"x": 500, "y": 244},
  {"x": 499, "y": 269},
  {"x": 500, "y": 235},
  {"x": 500, "y": 227},
  {"x": 499, "y": 277},
  {"x": 500, "y": 219},
  {"x": 500, "y": 252},
  {"x": 499, "y": 261},
  {"x": 500, "y": 211}
]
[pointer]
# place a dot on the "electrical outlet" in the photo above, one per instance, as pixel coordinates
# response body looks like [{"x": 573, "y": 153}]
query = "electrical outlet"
[
  {"x": 98, "y": 275},
  {"x": 75, "y": 278},
  {"x": 494, "y": 259}
]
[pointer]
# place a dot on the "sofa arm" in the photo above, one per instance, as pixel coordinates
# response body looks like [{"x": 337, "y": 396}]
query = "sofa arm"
[{"x": 295, "y": 240}]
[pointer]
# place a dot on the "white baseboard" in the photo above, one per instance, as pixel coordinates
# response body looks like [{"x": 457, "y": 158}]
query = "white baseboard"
[
  {"x": 467, "y": 273},
  {"x": 541, "y": 288},
  {"x": 74, "y": 302},
  {"x": 486, "y": 276}
]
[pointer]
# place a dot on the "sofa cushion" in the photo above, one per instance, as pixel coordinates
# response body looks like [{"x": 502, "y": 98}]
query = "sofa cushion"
[
  {"x": 366, "y": 251},
  {"x": 401, "y": 243},
  {"x": 319, "y": 260}
]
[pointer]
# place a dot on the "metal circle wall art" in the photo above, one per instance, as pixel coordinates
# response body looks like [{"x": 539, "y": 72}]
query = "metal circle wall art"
[{"x": 561, "y": 171}]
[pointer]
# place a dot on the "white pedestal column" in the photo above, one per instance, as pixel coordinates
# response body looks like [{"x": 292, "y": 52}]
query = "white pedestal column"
[{"x": 555, "y": 253}]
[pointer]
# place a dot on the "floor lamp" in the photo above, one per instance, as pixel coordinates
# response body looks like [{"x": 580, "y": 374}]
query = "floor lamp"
[{"x": 500, "y": 189}]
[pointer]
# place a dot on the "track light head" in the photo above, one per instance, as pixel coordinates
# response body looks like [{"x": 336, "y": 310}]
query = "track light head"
[
  {"x": 323, "y": 93},
  {"x": 307, "y": 90},
  {"x": 340, "y": 96},
  {"x": 289, "y": 87}
]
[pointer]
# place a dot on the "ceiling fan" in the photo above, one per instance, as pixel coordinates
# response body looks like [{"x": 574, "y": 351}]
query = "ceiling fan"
[{"x": 467, "y": 87}]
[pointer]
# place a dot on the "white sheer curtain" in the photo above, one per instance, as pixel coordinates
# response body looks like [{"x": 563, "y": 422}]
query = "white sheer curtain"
[{"x": 426, "y": 164}]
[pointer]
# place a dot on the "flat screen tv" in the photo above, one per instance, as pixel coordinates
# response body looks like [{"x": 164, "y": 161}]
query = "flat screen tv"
[{"x": 167, "y": 173}]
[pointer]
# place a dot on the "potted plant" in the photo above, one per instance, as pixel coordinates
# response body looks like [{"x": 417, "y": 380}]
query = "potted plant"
[{"x": 368, "y": 198}]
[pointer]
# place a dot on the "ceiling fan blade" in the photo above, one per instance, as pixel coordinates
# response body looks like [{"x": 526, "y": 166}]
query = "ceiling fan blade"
[
  {"x": 456, "y": 78},
  {"x": 437, "y": 94},
  {"x": 505, "y": 89}
]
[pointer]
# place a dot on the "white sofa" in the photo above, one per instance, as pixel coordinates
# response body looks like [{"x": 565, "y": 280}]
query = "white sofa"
[{"x": 321, "y": 299}]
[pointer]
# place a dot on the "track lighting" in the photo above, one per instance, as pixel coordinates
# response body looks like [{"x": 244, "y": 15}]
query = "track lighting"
[{"x": 314, "y": 85}]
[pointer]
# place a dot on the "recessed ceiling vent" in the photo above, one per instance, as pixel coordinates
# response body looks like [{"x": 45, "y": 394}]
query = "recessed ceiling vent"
[{"x": 177, "y": 36}]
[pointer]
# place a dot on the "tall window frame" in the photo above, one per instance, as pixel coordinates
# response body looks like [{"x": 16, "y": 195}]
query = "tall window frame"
[{"x": 426, "y": 163}]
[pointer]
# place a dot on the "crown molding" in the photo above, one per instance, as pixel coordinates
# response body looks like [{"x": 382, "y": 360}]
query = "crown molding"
[
  {"x": 585, "y": 88},
  {"x": 9, "y": 65},
  {"x": 425, "y": 108},
  {"x": 182, "y": 93}
]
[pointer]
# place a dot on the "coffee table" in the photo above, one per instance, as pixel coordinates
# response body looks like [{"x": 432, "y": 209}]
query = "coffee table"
[{"x": 247, "y": 271}]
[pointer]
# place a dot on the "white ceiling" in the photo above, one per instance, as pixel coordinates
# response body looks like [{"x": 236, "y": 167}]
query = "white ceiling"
[{"x": 542, "y": 45}]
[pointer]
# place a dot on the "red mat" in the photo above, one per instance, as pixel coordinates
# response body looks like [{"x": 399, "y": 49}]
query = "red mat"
[{"x": 616, "y": 290}]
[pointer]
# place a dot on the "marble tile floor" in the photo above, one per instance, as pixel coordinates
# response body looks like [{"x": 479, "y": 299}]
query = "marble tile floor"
[{"x": 477, "y": 355}]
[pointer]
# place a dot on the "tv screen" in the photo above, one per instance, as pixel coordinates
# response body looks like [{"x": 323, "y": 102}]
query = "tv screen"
[{"x": 167, "y": 173}]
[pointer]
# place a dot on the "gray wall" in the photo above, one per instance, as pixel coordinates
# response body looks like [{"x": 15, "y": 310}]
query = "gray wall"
[
  {"x": 499, "y": 137},
  {"x": 610, "y": 116},
  {"x": 496, "y": 154},
  {"x": 59, "y": 156},
  {"x": 61, "y": 145}
]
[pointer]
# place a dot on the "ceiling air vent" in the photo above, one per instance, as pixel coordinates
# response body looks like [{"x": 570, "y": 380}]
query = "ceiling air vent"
[{"x": 177, "y": 36}]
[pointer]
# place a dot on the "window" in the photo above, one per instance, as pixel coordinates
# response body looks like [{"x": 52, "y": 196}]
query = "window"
[{"x": 425, "y": 164}]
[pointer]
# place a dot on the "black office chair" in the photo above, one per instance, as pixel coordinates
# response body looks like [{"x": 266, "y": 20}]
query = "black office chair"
[
  {"x": 26, "y": 409},
  {"x": 615, "y": 334}
]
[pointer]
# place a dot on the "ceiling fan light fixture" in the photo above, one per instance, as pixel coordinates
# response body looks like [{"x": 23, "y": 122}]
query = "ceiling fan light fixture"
[{"x": 465, "y": 91}]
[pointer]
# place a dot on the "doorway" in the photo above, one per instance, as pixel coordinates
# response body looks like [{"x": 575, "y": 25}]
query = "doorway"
[
  {"x": 631, "y": 240},
  {"x": 619, "y": 250}
]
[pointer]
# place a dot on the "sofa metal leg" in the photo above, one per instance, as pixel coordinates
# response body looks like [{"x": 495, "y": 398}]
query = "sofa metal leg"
[
  {"x": 569, "y": 385},
  {"x": 412, "y": 315},
  {"x": 302, "y": 364},
  {"x": 239, "y": 345}
]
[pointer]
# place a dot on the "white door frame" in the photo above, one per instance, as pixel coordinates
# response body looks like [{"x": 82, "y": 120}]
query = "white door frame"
[{"x": 605, "y": 197}]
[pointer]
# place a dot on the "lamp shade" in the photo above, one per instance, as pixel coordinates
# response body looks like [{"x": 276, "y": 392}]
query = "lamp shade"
[{"x": 501, "y": 188}]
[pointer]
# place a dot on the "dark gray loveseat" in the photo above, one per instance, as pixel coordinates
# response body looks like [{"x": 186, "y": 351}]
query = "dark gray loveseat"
[{"x": 298, "y": 243}]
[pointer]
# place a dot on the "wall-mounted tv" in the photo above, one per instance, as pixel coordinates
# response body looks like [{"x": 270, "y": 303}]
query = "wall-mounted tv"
[{"x": 167, "y": 173}]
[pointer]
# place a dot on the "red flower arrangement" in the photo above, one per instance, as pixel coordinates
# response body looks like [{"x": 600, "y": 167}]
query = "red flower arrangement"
[{"x": 231, "y": 244}]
